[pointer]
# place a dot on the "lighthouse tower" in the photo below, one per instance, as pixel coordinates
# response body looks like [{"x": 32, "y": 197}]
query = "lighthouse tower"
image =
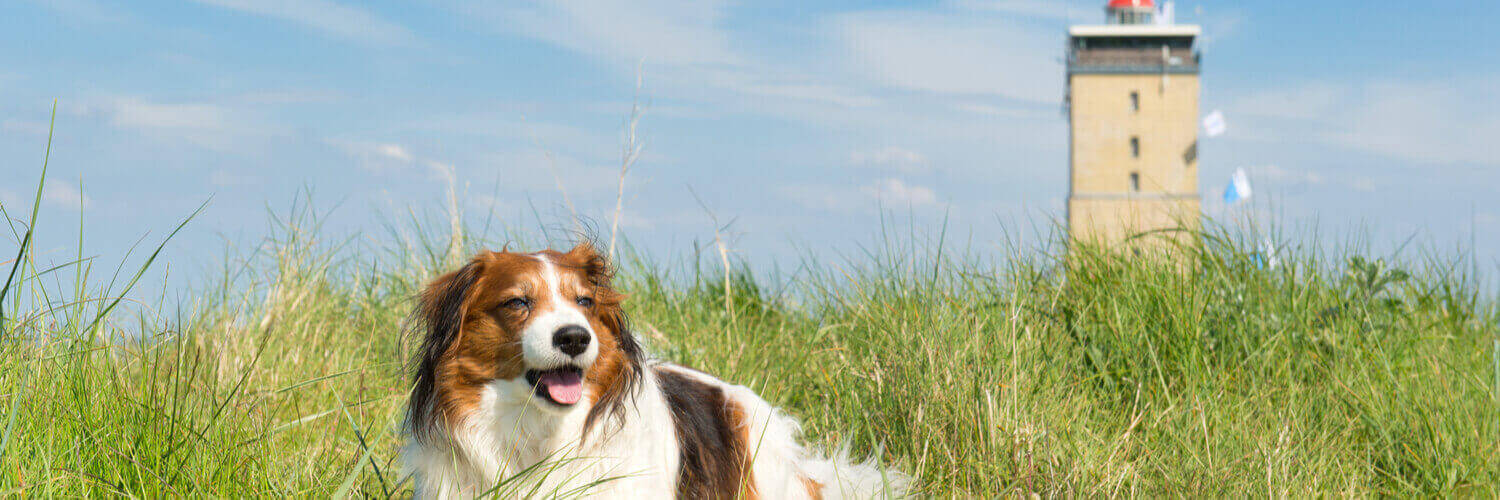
[{"x": 1132, "y": 102}]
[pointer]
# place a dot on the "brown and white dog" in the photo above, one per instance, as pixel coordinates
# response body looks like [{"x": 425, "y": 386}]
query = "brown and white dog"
[{"x": 530, "y": 382}]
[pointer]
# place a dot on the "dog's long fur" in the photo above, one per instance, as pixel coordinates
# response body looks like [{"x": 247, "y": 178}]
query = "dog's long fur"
[{"x": 478, "y": 422}]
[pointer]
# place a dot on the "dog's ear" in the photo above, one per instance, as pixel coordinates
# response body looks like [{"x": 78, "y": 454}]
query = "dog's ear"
[
  {"x": 443, "y": 301},
  {"x": 439, "y": 317},
  {"x": 595, "y": 265},
  {"x": 601, "y": 275},
  {"x": 600, "y": 272}
]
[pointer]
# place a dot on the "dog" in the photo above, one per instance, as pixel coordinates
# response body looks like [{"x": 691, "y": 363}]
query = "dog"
[{"x": 528, "y": 382}]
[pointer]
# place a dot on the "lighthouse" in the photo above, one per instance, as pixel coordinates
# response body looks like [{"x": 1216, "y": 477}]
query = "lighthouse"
[{"x": 1132, "y": 105}]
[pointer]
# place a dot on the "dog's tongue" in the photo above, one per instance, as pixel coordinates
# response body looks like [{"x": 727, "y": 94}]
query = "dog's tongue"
[{"x": 565, "y": 387}]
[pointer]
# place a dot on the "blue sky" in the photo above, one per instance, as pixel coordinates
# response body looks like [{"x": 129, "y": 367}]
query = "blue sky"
[{"x": 798, "y": 120}]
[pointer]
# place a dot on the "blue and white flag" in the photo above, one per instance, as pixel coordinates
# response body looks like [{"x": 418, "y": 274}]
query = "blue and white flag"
[{"x": 1238, "y": 189}]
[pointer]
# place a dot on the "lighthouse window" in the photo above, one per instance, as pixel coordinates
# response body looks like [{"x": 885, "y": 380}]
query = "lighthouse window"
[
  {"x": 1135, "y": 101},
  {"x": 1135, "y": 147},
  {"x": 1135, "y": 182}
]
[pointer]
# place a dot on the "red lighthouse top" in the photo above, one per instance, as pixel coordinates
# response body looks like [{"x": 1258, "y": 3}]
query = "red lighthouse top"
[{"x": 1121, "y": 4}]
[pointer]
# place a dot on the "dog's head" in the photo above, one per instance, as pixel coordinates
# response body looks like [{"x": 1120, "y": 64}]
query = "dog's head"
[{"x": 547, "y": 319}]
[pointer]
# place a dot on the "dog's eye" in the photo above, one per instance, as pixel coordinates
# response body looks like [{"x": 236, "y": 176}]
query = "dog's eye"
[
  {"x": 585, "y": 302},
  {"x": 517, "y": 304}
]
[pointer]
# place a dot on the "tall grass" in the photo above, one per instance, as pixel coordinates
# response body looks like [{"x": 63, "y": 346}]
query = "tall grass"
[{"x": 1056, "y": 372}]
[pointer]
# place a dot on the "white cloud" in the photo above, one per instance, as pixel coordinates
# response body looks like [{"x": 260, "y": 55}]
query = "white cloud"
[
  {"x": 802, "y": 92},
  {"x": 531, "y": 169},
  {"x": 9, "y": 200},
  {"x": 289, "y": 97},
  {"x": 136, "y": 113},
  {"x": 204, "y": 124},
  {"x": 684, "y": 44},
  {"x": 365, "y": 152},
  {"x": 1425, "y": 122},
  {"x": 63, "y": 194},
  {"x": 393, "y": 151},
  {"x": 893, "y": 191},
  {"x": 334, "y": 19},
  {"x": 377, "y": 157},
  {"x": 967, "y": 65},
  {"x": 1307, "y": 102},
  {"x": 88, "y": 11},
  {"x": 631, "y": 219},
  {"x": 980, "y": 108},
  {"x": 887, "y": 193},
  {"x": 954, "y": 53},
  {"x": 1279, "y": 175},
  {"x": 524, "y": 169},
  {"x": 671, "y": 32},
  {"x": 24, "y": 127},
  {"x": 485, "y": 203},
  {"x": 1050, "y": 10},
  {"x": 891, "y": 158}
]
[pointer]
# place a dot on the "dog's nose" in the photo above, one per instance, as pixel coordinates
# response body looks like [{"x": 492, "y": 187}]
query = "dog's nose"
[{"x": 571, "y": 339}]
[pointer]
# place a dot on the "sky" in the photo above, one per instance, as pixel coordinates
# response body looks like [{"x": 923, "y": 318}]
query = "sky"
[{"x": 800, "y": 126}]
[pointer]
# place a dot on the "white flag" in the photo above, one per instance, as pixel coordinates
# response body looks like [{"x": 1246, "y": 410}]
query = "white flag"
[
  {"x": 1214, "y": 124},
  {"x": 1271, "y": 257}
]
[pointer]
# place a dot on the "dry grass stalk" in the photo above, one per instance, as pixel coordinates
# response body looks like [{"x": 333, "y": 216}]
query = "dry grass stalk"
[
  {"x": 631, "y": 151},
  {"x": 722, "y": 244}
]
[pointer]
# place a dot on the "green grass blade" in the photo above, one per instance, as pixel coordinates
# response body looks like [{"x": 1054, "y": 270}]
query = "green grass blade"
[{"x": 36, "y": 204}]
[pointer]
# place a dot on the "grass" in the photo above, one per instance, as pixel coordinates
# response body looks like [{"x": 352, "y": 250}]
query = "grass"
[{"x": 1077, "y": 373}]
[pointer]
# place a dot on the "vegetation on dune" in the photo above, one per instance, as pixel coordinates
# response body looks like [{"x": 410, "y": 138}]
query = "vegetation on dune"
[{"x": 1096, "y": 374}]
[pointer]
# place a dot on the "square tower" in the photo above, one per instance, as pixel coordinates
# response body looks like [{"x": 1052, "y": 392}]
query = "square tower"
[{"x": 1132, "y": 103}]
